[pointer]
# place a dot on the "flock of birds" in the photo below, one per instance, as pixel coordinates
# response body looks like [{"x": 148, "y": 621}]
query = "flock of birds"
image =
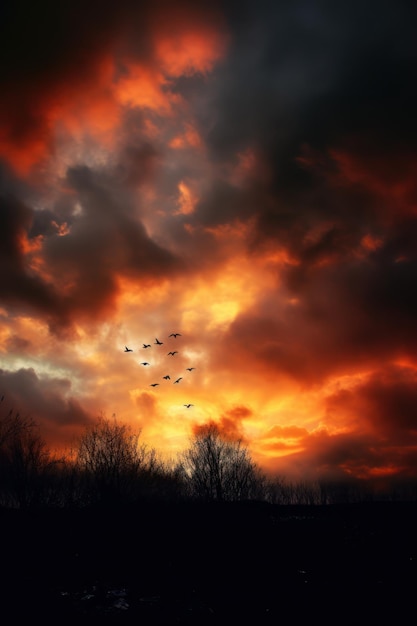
[{"x": 171, "y": 353}]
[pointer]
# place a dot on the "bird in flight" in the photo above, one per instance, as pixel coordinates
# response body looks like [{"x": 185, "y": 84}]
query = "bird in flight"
[
  {"x": 190, "y": 369},
  {"x": 167, "y": 377},
  {"x": 178, "y": 380},
  {"x": 159, "y": 343},
  {"x": 173, "y": 353},
  {"x": 128, "y": 349},
  {"x": 146, "y": 345},
  {"x": 153, "y": 384},
  {"x": 145, "y": 363},
  {"x": 175, "y": 335},
  {"x": 188, "y": 405}
]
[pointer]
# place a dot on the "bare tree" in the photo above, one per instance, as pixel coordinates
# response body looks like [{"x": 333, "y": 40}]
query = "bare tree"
[
  {"x": 216, "y": 468},
  {"x": 26, "y": 463},
  {"x": 115, "y": 466}
]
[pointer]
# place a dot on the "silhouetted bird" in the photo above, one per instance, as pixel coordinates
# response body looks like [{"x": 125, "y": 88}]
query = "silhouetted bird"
[
  {"x": 173, "y": 353},
  {"x": 159, "y": 343},
  {"x": 167, "y": 377},
  {"x": 178, "y": 380},
  {"x": 145, "y": 363},
  {"x": 128, "y": 349},
  {"x": 153, "y": 384},
  {"x": 188, "y": 405},
  {"x": 175, "y": 335},
  {"x": 190, "y": 369},
  {"x": 146, "y": 345}
]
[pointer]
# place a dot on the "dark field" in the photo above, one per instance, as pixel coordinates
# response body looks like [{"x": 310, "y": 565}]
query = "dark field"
[{"x": 211, "y": 564}]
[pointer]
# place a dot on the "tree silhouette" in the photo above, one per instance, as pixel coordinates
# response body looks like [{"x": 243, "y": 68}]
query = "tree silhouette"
[
  {"x": 27, "y": 468},
  {"x": 217, "y": 468},
  {"x": 113, "y": 463}
]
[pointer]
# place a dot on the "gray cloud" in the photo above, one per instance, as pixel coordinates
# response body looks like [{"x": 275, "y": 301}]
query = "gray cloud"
[{"x": 45, "y": 399}]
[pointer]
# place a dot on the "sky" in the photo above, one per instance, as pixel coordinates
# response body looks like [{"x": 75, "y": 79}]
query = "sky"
[{"x": 242, "y": 173}]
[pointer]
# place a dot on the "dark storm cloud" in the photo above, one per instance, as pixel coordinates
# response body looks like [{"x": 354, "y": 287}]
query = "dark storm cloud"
[
  {"x": 44, "y": 223},
  {"x": 18, "y": 285},
  {"x": 358, "y": 311},
  {"x": 39, "y": 40},
  {"x": 15, "y": 218},
  {"x": 108, "y": 224},
  {"x": 103, "y": 242},
  {"x": 360, "y": 455},
  {"x": 225, "y": 203},
  {"x": 106, "y": 241},
  {"x": 137, "y": 163},
  {"x": 311, "y": 74},
  {"x": 349, "y": 315},
  {"x": 384, "y": 404},
  {"x": 43, "y": 48},
  {"x": 367, "y": 455},
  {"x": 344, "y": 453},
  {"x": 45, "y": 399}
]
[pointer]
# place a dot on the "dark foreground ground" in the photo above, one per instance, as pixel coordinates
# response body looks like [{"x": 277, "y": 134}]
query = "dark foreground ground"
[{"x": 208, "y": 565}]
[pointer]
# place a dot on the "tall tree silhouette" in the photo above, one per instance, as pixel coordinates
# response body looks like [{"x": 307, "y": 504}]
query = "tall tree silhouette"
[{"x": 217, "y": 468}]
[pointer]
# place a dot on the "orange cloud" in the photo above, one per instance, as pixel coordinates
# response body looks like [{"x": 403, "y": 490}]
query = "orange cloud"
[
  {"x": 146, "y": 402},
  {"x": 76, "y": 107},
  {"x": 230, "y": 422},
  {"x": 371, "y": 243},
  {"x": 24, "y": 154},
  {"x": 190, "y": 137},
  {"x": 189, "y": 52},
  {"x": 187, "y": 199},
  {"x": 378, "y": 173},
  {"x": 286, "y": 432},
  {"x": 83, "y": 96},
  {"x": 87, "y": 111},
  {"x": 187, "y": 39},
  {"x": 143, "y": 86},
  {"x": 226, "y": 427}
]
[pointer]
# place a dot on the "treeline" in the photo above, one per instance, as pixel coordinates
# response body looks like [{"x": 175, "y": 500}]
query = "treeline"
[{"x": 110, "y": 465}]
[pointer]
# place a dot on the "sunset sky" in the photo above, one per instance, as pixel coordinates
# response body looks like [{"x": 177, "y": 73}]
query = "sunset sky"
[{"x": 242, "y": 173}]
